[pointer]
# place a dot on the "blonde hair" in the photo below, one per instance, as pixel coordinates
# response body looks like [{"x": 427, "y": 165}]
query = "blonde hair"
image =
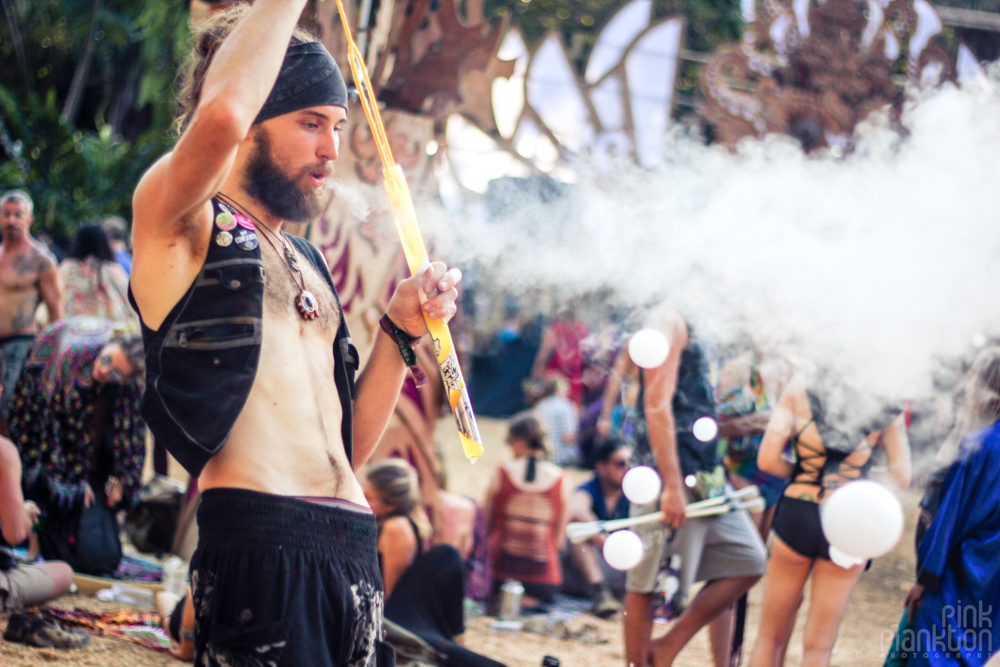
[
  {"x": 981, "y": 402},
  {"x": 984, "y": 388},
  {"x": 206, "y": 39},
  {"x": 397, "y": 485}
]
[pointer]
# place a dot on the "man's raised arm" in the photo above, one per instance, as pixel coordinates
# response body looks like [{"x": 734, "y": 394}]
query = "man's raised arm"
[{"x": 235, "y": 87}]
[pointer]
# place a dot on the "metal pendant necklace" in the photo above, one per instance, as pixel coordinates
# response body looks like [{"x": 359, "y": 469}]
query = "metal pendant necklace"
[{"x": 305, "y": 301}]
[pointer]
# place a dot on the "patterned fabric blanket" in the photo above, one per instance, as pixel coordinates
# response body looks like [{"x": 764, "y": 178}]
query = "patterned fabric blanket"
[{"x": 134, "y": 626}]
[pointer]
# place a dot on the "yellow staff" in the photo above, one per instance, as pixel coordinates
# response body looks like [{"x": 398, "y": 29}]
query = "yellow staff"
[{"x": 415, "y": 251}]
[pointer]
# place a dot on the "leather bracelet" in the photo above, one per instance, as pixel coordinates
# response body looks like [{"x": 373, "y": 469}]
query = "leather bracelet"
[{"x": 405, "y": 343}]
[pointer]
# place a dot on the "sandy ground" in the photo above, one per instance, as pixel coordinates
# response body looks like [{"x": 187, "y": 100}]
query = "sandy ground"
[{"x": 864, "y": 637}]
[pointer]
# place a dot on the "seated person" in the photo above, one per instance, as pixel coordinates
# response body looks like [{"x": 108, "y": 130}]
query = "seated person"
[
  {"x": 527, "y": 508},
  {"x": 458, "y": 521},
  {"x": 585, "y": 572},
  {"x": 558, "y": 416},
  {"x": 22, "y": 585},
  {"x": 75, "y": 421},
  {"x": 424, "y": 588},
  {"x": 461, "y": 522},
  {"x": 177, "y": 618}
]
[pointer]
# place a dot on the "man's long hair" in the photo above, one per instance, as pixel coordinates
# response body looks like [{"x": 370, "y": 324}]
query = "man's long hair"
[{"x": 205, "y": 42}]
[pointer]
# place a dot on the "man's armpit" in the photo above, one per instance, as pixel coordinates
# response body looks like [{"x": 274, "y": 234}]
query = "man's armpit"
[{"x": 195, "y": 230}]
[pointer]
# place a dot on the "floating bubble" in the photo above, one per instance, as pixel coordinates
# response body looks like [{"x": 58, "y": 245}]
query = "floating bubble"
[
  {"x": 648, "y": 348},
  {"x": 862, "y": 520},
  {"x": 690, "y": 481},
  {"x": 641, "y": 485},
  {"x": 978, "y": 340},
  {"x": 623, "y": 549},
  {"x": 705, "y": 429}
]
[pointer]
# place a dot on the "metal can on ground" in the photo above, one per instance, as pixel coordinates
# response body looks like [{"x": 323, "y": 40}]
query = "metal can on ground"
[{"x": 511, "y": 593}]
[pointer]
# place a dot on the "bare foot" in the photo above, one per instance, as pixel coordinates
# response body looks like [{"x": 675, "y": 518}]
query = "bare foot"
[{"x": 661, "y": 654}]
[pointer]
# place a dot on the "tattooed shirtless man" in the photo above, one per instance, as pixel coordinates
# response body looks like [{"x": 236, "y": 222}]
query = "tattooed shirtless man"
[{"x": 28, "y": 276}]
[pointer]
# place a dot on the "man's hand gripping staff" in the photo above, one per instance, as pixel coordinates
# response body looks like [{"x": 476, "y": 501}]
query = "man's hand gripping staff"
[{"x": 415, "y": 251}]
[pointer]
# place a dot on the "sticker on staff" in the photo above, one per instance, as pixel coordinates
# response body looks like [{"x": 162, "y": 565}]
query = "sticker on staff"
[{"x": 451, "y": 373}]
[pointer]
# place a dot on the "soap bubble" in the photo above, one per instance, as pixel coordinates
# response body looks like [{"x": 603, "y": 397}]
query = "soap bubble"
[
  {"x": 623, "y": 549},
  {"x": 705, "y": 429},
  {"x": 648, "y": 348},
  {"x": 641, "y": 485},
  {"x": 862, "y": 519}
]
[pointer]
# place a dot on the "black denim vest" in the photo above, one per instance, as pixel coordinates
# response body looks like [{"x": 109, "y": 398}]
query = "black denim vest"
[{"x": 201, "y": 363}]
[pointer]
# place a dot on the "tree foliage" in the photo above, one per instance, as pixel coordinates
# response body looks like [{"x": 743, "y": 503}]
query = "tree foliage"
[{"x": 85, "y": 101}]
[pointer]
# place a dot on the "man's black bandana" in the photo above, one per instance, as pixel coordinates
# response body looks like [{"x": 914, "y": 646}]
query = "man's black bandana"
[{"x": 309, "y": 78}]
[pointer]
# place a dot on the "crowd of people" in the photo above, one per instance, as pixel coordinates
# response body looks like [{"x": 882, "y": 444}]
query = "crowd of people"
[
  {"x": 797, "y": 432},
  {"x": 223, "y": 339},
  {"x": 72, "y": 388},
  {"x": 77, "y": 444}
]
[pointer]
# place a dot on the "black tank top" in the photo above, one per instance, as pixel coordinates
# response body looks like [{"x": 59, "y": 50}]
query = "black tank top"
[
  {"x": 416, "y": 533},
  {"x": 693, "y": 399}
]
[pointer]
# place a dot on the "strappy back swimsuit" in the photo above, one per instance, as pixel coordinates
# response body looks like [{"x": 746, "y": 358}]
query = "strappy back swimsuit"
[{"x": 838, "y": 458}]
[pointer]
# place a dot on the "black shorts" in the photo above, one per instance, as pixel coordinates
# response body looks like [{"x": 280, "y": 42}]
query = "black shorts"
[
  {"x": 798, "y": 525},
  {"x": 280, "y": 581}
]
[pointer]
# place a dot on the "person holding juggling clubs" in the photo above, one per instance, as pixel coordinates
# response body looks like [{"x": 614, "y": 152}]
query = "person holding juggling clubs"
[{"x": 723, "y": 550}]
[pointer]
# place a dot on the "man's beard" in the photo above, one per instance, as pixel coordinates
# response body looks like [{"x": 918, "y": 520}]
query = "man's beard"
[
  {"x": 282, "y": 196},
  {"x": 11, "y": 233}
]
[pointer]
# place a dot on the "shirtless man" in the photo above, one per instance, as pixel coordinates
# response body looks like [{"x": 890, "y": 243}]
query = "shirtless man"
[
  {"x": 28, "y": 275},
  {"x": 725, "y": 551},
  {"x": 250, "y": 370}
]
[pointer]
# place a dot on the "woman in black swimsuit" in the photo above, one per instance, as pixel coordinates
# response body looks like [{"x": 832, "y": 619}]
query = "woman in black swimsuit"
[
  {"x": 828, "y": 454},
  {"x": 424, "y": 585}
]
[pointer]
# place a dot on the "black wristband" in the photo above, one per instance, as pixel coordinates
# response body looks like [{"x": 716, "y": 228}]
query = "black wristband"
[
  {"x": 397, "y": 334},
  {"x": 405, "y": 343}
]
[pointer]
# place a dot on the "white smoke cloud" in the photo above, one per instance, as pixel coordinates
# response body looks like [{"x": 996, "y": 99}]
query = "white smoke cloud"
[{"x": 875, "y": 264}]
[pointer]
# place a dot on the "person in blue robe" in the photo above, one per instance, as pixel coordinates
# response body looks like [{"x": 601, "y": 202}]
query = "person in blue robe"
[{"x": 954, "y": 609}]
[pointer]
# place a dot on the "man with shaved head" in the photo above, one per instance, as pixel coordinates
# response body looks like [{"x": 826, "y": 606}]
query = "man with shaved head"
[{"x": 29, "y": 276}]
